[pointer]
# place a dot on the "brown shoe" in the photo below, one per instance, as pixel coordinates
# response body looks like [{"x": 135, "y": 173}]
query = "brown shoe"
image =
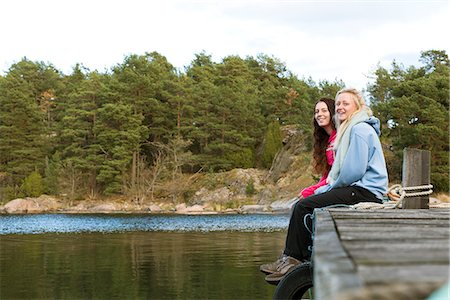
[
  {"x": 272, "y": 267},
  {"x": 286, "y": 266}
]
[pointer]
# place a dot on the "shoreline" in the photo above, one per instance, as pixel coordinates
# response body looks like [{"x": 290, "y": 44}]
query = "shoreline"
[
  {"x": 50, "y": 205},
  {"x": 140, "y": 212}
]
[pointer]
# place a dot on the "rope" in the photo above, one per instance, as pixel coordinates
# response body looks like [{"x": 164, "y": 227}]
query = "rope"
[{"x": 396, "y": 194}]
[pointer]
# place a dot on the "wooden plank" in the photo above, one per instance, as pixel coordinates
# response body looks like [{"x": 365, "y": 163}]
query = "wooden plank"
[
  {"x": 413, "y": 256},
  {"x": 403, "y": 245},
  {"x": 390, "y": 214},
  {"x": 334, "y": 271},
  {"x": 391, "y": 227},
  {"x": 396, "y": 290},
  {"x": 389, "y": 235},
  {"x": 379, "y": 248},
  {"x": 415, "y": 172},
  {"x": 394, "y": 222},
  {"x": 393, "y": 214},
  {"x": 403, "y": 273}
]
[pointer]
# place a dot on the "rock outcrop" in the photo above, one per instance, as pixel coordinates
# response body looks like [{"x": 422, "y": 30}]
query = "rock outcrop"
[{"x": 41, "y": 204}]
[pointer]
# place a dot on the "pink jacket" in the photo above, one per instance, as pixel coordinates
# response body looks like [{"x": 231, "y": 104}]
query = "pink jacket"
[{"x": 330, "y": 158}]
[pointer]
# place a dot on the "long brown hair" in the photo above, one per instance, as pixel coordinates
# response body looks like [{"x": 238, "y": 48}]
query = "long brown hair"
[{"x": 321, "y": 139}]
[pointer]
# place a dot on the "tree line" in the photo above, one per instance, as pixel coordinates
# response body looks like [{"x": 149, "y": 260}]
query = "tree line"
[
  {"x": 413, "y": 106},
  {"x": 125, "y": 130}
]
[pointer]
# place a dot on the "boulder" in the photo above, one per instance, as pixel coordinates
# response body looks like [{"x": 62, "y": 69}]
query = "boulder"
[
  {"x": 294, "y": 144},
  {"x": 266, "y": 195},
  {"x": 254, "y": 208},
  {"x": 44, "y": 203},
  {"x": 22, "y": 206},
  {"x": 154, "y": 208},
  {"x": 204, "y": 195},
  {"x": 237, "y": 180},
  {"x": 49, "y": 203},
  {"x": 195, "y": 208},
  {"x": 180, "y": 208},
  {"x": 106, "y": 207},
  {"x": 283, "y": 206}
]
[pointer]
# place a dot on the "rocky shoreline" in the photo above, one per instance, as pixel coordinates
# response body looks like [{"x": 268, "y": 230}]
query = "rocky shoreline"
[{"x": 50, "y": 204}]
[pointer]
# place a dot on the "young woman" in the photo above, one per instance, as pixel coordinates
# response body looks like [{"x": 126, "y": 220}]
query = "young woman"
[
  {"x": 358, "y": 175},
  {"x": 323, "y": 154},
  {"x": 324, "y": 136}
]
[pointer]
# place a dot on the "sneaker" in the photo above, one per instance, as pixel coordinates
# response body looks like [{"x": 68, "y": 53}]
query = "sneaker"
[
  {"x": 284, "y": 268},
  {"x": 272, "y": 267}
]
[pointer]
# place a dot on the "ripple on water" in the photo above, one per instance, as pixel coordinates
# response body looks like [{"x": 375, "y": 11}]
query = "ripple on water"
[{"x": 67, "y": 223}]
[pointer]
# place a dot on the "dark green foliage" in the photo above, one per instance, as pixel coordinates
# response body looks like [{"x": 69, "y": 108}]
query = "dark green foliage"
[
  {"x": 272, "y": 143},
  {"x": 32, "y": 185},
  {"x": 88, "y": 132},
  {"x": 241, "y": 158},
  {"x": 25, "y": 120},
  {"x": 52, "y": 175},
  {"x": 250, "y": 188},
  {"x": 413, "y": 104},
  {"x": 118, "y": 133}
]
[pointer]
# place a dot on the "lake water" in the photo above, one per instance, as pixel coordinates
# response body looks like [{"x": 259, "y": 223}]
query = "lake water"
[{"x": 138, "y": 256}]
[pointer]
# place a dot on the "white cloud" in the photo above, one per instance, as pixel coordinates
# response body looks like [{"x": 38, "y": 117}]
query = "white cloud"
[{"x": 321, "y": 39}]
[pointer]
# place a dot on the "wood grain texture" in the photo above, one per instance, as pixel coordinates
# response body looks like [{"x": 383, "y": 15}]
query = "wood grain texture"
[
  {"x": 356, "y": 250},
  {"x": 415, "y": 172}
]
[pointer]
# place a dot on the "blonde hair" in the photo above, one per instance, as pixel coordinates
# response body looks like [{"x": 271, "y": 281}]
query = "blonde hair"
[{"x": 360, "y": 105}]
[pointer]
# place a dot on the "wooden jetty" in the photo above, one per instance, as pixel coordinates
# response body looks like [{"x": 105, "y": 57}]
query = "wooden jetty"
[
  {"x": 380, "y": 254},
  {"x": 388, "y": 253}
]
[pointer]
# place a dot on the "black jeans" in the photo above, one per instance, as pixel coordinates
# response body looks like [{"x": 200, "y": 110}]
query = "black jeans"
[{"x": 298, "y": 238}]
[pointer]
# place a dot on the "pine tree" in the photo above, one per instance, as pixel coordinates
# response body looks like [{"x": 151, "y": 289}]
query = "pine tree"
[
  {"x": 119, "y": 133},
  {"x": 78, "y": 107},
  {"x": 32, "y": 185},
  {"x": 23, "y": 130},
  {"x": 413, "y": 104}
]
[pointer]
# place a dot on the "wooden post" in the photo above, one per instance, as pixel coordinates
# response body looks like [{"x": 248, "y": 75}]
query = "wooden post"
[{"x": 416, "y": 171}]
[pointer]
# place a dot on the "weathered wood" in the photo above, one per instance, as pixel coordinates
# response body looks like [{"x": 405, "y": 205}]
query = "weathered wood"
[
  {"x": 397, "y": 291},
  {"x": 398, "y": 246},
  {"x": 390, "y": 226},
  {"x": 415, "y": 172},
  {"x": 394, "y": 222},
  {"x": 403, "y": 273},
  {"x": 393, "y": 235},
  {"x": 383, "y": 256},
  {"x": 384, "y": 248},
  {"x": 391, "y": 214},
  {"x": 333, "y": 269}
]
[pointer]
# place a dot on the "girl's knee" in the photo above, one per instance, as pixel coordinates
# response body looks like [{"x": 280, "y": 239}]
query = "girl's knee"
[{"x": 300, "y": 208}]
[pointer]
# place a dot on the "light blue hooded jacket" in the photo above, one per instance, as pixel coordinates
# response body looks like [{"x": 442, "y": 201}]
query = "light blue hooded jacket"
[{"x": 364, "y": 163}]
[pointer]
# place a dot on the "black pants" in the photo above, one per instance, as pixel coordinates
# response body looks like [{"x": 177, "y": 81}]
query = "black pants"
[{"x": 298, "y": 238}]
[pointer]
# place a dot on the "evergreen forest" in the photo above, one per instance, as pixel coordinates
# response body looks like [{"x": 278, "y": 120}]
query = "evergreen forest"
[{"x": 142, "y": 122}]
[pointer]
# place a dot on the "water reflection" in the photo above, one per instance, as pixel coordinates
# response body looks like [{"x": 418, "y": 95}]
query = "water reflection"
[{"x": 137, "y": 265}]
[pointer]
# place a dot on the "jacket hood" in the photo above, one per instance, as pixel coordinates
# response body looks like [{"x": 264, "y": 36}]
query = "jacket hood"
[{"x": 375, "y": 123}]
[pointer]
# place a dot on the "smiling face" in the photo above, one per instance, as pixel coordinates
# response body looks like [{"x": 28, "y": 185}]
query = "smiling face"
[
  {"x": 322, "y": 115},
  {"x": 345, "y": 106}
]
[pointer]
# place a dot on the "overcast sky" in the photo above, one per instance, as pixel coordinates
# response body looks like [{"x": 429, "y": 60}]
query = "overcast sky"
[{"x": 325, "y": 40}]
